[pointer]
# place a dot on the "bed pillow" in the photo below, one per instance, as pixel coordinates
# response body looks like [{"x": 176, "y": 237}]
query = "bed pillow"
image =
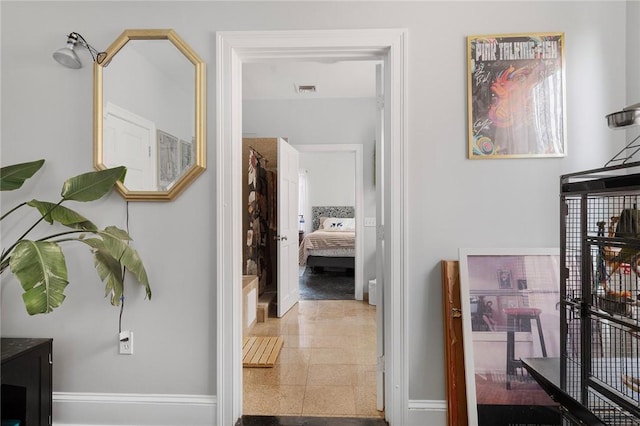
[
  {"x": 321, "y": 222},
  {"x": 339, "y": 224}
]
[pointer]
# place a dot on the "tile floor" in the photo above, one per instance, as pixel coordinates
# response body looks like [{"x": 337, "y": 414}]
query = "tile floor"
[{"x": 327, "y": 366}]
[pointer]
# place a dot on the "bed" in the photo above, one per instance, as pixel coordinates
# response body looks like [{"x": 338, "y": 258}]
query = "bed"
[{"x": 332, "y": 242}]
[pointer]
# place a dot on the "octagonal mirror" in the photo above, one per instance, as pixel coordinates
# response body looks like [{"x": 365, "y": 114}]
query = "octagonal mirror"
[{"x": 149, "y": 113}]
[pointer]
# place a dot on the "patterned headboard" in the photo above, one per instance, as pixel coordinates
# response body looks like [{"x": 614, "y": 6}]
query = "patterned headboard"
[{"x": 329, "y": 211}]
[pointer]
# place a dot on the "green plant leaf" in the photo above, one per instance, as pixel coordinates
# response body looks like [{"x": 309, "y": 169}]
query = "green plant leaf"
[
  {"x": 12, "y": 177},
  {"x": 114, "y": 243},
  {"x": 132, "y": 261},
  {"x": 40, "y": 265},
  {"x": 52, "y": 212},
  {"x": 110, "y": 272},
  {"x": 115, "y": 240},
  {"x": 93, "y": 185},
  {"x": 118, "y": 233},
  {"x": 41, "y": 269}
]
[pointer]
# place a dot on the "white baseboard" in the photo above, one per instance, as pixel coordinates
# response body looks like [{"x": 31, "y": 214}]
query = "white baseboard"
[
  {"x": 119, "y": 409},
  {"x": 427, "y": 413},
  {"x": 111, "y": 409}
]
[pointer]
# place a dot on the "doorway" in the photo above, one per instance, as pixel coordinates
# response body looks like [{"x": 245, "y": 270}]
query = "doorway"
[
  {"x": 328, "y": 364},
  {"x": 234, "y": 48},
  {"x": 358, "y": 203}
]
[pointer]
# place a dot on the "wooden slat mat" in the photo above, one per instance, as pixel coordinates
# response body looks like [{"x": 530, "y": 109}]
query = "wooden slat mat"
[{"x": 261, "y": 351}]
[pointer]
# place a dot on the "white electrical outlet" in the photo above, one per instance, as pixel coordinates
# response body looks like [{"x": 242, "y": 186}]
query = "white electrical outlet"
[
  {"x": 126, "y": 342},
  {"x": 369, "y": 221}
]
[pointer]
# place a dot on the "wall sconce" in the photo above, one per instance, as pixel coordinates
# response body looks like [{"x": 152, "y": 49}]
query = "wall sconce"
[{"x": 69, "y": 58}]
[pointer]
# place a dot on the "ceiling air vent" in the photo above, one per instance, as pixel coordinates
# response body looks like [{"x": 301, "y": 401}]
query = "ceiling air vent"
[{"x": 300, "y": 88}]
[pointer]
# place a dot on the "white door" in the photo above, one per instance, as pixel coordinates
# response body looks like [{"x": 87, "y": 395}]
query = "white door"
[
  {"x": 129, "y": 140},
  {"x": 288, "y": 292},
  {"x": 379, "y": 237}
]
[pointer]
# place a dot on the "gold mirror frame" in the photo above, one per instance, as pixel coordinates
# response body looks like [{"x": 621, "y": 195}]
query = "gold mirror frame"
[{"x": 199, "y": 160}]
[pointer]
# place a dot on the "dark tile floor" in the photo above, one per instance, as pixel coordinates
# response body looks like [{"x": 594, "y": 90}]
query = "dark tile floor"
[
  {"x": 308, "y": 421},
  {"x": 327, "y": 285}
]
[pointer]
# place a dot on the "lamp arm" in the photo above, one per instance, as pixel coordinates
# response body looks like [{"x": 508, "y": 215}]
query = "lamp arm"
[{"x": 94, "y": 52}]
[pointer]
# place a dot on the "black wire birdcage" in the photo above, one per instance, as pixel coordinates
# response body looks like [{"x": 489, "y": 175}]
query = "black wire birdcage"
[{"x": 600, "y": 292}]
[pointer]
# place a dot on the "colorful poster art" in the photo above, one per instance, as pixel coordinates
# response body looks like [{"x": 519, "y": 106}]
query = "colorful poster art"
[{"x": 516, "y": 96}]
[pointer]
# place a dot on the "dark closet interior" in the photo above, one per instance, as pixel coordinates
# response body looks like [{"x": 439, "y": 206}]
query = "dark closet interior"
[{"x": 260, "y": 155}]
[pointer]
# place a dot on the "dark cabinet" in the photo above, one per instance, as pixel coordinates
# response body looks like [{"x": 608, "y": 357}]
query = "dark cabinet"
[{"x": 27, "y": 380}]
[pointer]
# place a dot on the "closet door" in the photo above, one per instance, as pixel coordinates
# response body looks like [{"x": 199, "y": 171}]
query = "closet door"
[
  {"x": 130, "y": 140},
  {"x": 288, "y": 291}
]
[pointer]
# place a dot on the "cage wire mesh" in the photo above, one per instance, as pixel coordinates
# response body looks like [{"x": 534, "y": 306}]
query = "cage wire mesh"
[{"x": 601, "y": 298}]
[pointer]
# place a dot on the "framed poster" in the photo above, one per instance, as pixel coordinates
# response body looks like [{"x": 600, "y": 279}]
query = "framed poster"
[
  {"x": 516, "y": 317},
  {"x": 516, "y": 96}
]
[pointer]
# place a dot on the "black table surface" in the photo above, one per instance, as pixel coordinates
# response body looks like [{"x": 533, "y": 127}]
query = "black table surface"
[
  {"x": 549, "y": 368},
  {"x": 12, "y": 347},
  {"x": 546, "y": 371}
]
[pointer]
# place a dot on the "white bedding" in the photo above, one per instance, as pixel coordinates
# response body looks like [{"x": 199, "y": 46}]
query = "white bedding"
[
  {"x": 320, "y": 241},
  {"x": 334, "y": 252}
]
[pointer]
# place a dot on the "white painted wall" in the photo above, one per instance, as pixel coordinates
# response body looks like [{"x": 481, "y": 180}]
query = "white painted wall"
[
  {"x": 633, "y": 53},
  {"x": 332, "y": 180},
  {"x": 453, "y": 202}
]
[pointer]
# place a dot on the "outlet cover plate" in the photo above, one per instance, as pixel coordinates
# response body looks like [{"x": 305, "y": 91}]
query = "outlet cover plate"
[{"x": 126, "y": 342}]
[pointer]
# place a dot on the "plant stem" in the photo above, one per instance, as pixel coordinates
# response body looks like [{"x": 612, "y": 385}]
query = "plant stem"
[
  {"x": 12, "y": 210},
  {"x": 7, "y": 252},
  {"x": 10, "y": 249},
  {"x": 3, "y": 266},
  {"x": 77, "y": 231},
  {"x": 38, "y": 221}
]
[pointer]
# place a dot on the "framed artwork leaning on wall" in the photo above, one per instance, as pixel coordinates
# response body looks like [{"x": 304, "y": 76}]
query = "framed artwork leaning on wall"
[{"x": 509, "y": 301}]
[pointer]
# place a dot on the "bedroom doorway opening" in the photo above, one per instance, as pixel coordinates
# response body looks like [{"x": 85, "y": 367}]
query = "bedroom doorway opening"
[
  {"x": 327, "y": 249},
  {"x": 334, "y": 244},
  {"x": 237, "y": 48},
  {"x": 330, "y": 339}
]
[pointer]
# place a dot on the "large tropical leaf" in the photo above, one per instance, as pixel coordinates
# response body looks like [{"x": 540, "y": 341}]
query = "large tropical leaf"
[
  {"x": 115, "y": 243},
  {"x": 115, "y": 240},
  {"x": 117, "y": 233},
  {"x": 93, "y": 185},
  {"x": 12, "y": 177},
  {"x": 132, "y": 261},
  {"x": 112, "y": 244},
  {"x": 41, "y": 269},
  {"x": 110, "y": 272},
  {"x": 63, "y": 215}
]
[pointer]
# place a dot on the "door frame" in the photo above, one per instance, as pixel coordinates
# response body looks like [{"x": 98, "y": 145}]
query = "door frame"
[
  {"x": 232, "y": 49},
  {"x": 358, "y": 205}
]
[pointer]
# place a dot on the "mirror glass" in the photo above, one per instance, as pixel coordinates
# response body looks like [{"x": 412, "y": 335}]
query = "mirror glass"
[{"x": 149, "y": 102}]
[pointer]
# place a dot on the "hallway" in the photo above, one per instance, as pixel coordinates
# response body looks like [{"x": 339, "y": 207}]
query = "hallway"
[{"x": 327, "y": 366}]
